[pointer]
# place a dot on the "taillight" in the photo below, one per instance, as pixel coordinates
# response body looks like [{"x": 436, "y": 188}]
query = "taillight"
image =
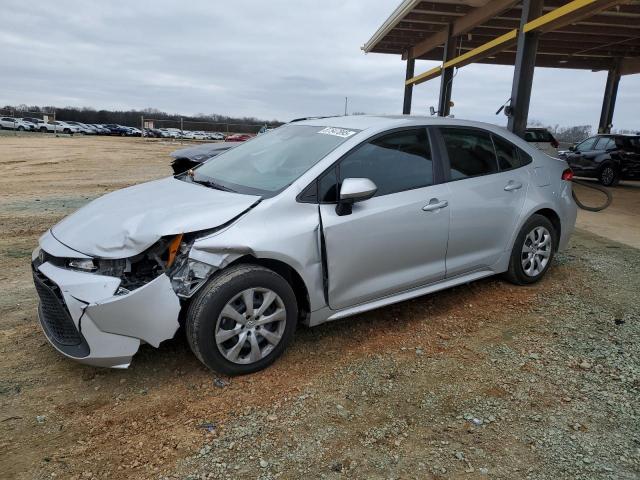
[
  {"x": 554, "y": 143},
  {"x": 567, "y": 175}
]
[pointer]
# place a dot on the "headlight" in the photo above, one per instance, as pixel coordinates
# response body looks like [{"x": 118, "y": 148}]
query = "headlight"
[
  {"x": 84, "y": 264},
  {"x": 189, "y": 276}
]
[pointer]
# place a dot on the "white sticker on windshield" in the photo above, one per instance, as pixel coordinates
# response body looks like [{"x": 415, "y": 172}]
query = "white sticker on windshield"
[{"x": 337, "y": 132}]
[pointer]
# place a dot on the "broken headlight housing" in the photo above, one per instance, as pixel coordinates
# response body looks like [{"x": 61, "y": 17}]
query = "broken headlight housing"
[{"x": 189, "y": 275}]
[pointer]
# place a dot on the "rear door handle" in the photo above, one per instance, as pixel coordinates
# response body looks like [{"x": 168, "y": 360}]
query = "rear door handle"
[
  {"x": 435, "y": 204},
  {"x": 512, "y": 186}
]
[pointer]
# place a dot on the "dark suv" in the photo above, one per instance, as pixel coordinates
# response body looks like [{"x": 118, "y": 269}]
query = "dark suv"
[{"x": 609, "y": 158}]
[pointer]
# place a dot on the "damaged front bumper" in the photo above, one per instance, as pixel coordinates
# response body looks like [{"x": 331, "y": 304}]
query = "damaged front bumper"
[{"x": 84, "y": 319}]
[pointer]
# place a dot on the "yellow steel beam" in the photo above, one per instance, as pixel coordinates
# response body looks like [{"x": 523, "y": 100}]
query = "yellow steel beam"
[
  {"x": 486, "y": 49},
  {"x": 423, "y": 77},
  {"x": 573, "y": 11},
  {"x": 479, "y": 52}
]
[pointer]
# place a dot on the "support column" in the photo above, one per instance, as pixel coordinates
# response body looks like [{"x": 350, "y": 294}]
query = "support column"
[
  {"x": 408, "y": 89},
  {"x": 524, "y": 68},
  {"x": 609, "y": 100},
  {"x": 446, "y": 79}
]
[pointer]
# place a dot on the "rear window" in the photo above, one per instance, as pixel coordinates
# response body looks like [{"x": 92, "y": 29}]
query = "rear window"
[{"x": 538, "y": 136}]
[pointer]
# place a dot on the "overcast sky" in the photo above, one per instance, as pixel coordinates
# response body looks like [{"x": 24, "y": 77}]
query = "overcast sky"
[{"x": 271, "y": 59}]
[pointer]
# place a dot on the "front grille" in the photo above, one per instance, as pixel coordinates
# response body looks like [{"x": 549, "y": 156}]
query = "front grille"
[{"x": 54, "y": 315}]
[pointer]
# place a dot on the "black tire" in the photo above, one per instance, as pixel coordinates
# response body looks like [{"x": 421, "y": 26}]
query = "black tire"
[
  {"x": 43, "y": 129},
  {"x": 206, "y": 306},
  {"x": 21, "y": 128},
  {"x": 516, "y": 274},
  {"x": 609, "y": 176}
]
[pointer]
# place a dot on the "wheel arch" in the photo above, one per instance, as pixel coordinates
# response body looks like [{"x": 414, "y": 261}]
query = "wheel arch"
[
  {"x": 287, "y": 272},
  {"x": 554, "y": 218}
]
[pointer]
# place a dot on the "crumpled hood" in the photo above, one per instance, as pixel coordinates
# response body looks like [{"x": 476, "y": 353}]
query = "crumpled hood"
[{"x": 128, "y": 221}]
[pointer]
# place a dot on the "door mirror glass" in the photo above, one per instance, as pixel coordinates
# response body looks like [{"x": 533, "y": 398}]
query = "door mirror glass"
[
  {"x": 572, "y": 148},
  {"x": 357, "y": 189}
]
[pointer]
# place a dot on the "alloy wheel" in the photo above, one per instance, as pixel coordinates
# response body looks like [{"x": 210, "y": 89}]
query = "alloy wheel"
[
  {"x": 250, "y": 325},
  {"x": 607, "y": 175},
  {"x": 536, "y": 251}
]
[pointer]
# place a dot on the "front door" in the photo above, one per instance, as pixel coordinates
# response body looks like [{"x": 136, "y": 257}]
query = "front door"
[{"x": 396, "y": 240}]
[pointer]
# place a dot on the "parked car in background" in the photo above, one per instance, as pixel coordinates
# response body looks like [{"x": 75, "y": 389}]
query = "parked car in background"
[
  {"x": 116, "y": 129},
  {"x": 64, "y": 127},
  {"x": 609, "y": 158},
  {"x": 82, "y": 128},
  {"x": 216, "y": 136},
  {"x": 316, "y": 221},
  {"x": 102, "y": 130},
  {"x": 134, "y": 132},
  {"x": 542, "y": 139},
  {"x": 190, "y": 157},
  {"x": 40, "y": 125},
  {"x": 239, "y": 137},
  {"x": 11, "y": 123}
]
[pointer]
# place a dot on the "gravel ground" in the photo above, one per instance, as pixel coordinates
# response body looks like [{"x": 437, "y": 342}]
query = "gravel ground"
[
  {"x": 486, "y": 380},
  {"x": 548, "y": 391}
]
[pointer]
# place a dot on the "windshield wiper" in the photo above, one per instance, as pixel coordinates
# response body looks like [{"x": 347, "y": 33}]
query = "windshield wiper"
[
  {"x": 212, "y": 184},
  {"x": 208, "y": 182}
]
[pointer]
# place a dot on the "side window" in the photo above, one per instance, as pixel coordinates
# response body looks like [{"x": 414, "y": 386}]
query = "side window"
[
  {"x": 507, "y": 154},
  {"x": 328, "y": 187},
  {"x": 525, "y": 158},
  {"x": 471, "y": 152},
  {"x": 587, "y": 144},
  {"x": 396, "y": 162},
  {"x": 604, "y": 143}
]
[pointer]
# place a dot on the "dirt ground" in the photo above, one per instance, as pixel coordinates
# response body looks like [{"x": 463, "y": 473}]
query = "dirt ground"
[{"x": 485, "y": 380}]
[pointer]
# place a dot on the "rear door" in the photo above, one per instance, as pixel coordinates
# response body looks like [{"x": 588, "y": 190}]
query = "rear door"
[
  {"x": 487, "y": 193},
  {"x": 581, "y": 160},
  {"x": 394, "y": 241}
]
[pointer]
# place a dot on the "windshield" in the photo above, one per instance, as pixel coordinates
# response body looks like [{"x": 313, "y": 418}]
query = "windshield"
[{"x": 270, "y": 162}]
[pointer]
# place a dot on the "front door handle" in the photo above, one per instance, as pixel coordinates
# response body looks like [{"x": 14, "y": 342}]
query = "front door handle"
[
  {"x": 512, "y": 186},
  {"x": 435, "y": 204}
]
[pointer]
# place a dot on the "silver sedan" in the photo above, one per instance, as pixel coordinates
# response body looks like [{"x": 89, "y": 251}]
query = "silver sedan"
[{"x": 315, "y": 221}]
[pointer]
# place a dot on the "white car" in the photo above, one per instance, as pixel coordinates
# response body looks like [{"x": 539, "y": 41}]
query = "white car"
[
  {"x": 82, "y": 128},
  {"x": 64, "y": 127},
  {"x": 195, "y": 135},
  {"x": 40, "y": 125},
  {"x": 215, "y": 136},
  {"x": 12, "y": 123},
  {"x": 173, "y": 132}
]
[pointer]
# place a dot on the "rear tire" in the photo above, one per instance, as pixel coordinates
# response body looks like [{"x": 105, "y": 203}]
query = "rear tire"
[
  {"x": 263, "y": 330},
  {"x": 609, "y": 176},
  {"x": 532, "y": 252}
]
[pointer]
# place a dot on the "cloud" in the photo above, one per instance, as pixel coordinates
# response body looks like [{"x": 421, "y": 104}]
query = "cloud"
[{"x": 277, "y": 59}]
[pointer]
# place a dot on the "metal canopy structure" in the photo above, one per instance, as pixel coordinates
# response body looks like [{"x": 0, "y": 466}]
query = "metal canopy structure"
[{"x": 581, "y": 34}]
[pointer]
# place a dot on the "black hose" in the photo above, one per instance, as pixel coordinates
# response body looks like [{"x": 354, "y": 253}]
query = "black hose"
[{"x": 595, "y": 187}]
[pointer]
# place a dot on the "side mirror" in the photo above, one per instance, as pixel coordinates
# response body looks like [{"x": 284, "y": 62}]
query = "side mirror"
[
  {"x": 572, "y": 147},
  {"x": 354, "y": 190},
  {"x": 432, "y": 111}
]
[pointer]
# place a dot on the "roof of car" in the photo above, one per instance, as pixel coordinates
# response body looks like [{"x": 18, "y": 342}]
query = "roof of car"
[{"x": 363, "y": 122}]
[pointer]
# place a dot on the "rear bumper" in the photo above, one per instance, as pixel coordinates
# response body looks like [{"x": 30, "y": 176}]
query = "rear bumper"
[{"x": 84, "y": 320}]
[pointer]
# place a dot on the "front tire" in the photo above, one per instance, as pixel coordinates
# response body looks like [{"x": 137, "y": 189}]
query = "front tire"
[
  {"x": 242, "y": 320},
  {"x": 532, "y": 251}
]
